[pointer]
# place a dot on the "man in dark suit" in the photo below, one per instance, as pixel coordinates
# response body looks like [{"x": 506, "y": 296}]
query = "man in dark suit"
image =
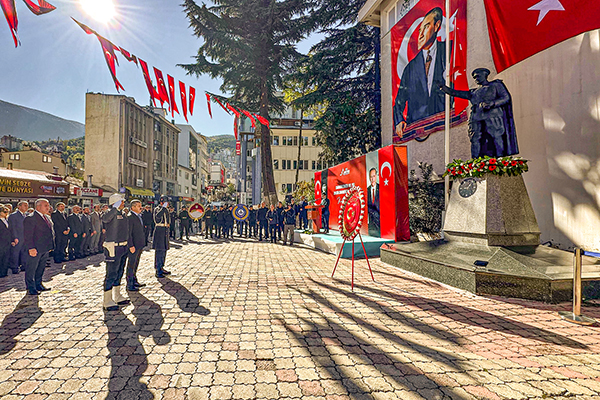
[
  {"x": 148, "y": 220},
  {"x": 5, "y": 241},
  {"x": 135, "y": 243},
  {"x": 75, "y": 233},
  {"x": 86, "y": 237},
  {"x": 61, "y": 230},
  {"x": 39, "y": 241},
  {"x": 18, "y": 255},
  {"x": 419, "y": 90},
  {"x": 373, "y": 203}
]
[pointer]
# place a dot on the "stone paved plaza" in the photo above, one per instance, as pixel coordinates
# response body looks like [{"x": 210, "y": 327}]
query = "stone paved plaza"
[{"x": 246, "y": 320}]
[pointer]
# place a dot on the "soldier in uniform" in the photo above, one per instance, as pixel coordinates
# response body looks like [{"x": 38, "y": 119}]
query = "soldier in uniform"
[
  {"x": 160, "y": 244},
  {"x": 115, "y": 252},
  {"x": 263, "y": 227},
  {"x": 252, "y": 222},
  {"x": 208, "y": 216},
  {"x": 220, "y": 221},
  {"x": 172, "y": 219},
  {"x": 228, "y": 215},
  {"x": 184, "y": 223}
]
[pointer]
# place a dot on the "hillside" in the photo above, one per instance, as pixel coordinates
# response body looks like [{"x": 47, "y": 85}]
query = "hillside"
[
  {"x": 220, "y": 142},
  {"x": 29, "y": 124}
]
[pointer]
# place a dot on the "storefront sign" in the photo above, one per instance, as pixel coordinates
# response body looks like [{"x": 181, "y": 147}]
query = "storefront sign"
[
  {"x": 139, "y": 142},
  {"x": 88, "y": 192},
  {"x": 29, "y": 188},
  {"x": 139, "y": 163}
]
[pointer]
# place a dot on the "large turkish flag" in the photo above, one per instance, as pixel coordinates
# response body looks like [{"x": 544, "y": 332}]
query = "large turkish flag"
[{"x": 521, "y": 28}]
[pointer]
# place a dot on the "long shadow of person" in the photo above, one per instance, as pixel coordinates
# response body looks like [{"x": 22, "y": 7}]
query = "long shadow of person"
[
  {"x": 22, "y": 318},
  {"x": 128, "y": 359},
  {"x": 185, "y": 299},
  {"x": 148, "y": 319}
]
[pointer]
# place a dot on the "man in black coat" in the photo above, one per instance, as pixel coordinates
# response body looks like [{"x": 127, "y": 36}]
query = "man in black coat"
[
  {"x": 263, "y": 226},
  {"x": 135, "y": 243},
  {"x": 18, "y": 255},
  {"x": 39, "y": 241},
  {"x": 5, "y": 241},
  {"x": 161, "y": 236},
  {"x": 184, "y": 223},
  {"x": 61, "y": 230},
  {"x": 75, "y": 233},
  {"x": 208, "y": 221},
  {"x": 220, "y": 221},
  {"x": 280, "y": 222},
  {"x": 115, "y": 252},
  {"x": 86, "y": 237},
  {"x": 228, "y": 216},
  {"x": 252, "y": 221},
  {"x": 148, "y": 222},
  {"x": 172, "y": 219}
]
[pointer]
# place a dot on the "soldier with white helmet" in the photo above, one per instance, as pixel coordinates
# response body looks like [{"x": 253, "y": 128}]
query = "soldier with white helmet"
[{"x": 115, "y": 251}]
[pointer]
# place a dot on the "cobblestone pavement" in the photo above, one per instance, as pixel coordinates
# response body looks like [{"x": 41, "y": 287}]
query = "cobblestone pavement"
[{"x": 249, "y": 320}]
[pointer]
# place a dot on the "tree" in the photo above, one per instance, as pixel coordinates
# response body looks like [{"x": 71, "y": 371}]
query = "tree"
[
  {"x": 344, "y": 68},
  {"x": 426, "y": 201},
  {"x": 250, "y": 45}
]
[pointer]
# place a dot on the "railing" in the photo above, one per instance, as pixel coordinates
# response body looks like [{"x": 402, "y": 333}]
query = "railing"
[{"x": 575, "y": 316}]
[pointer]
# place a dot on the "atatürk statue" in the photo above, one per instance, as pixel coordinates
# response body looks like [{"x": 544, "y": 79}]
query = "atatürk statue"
[{"x": 491, "y": 124}]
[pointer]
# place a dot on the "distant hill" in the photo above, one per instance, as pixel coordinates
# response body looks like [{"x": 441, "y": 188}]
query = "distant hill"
[
  {"x": 220, "y": 142},
  {"x": 34, "y": 125}
]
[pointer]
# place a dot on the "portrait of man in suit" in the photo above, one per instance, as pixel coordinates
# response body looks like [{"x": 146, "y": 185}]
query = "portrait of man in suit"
[
  {"x": 419, "y": 95},
  {"x": 373, "y": 203}
]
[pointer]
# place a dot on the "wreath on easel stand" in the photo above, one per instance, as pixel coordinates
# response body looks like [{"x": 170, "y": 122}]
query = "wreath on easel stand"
[{"x": 350, "y": 220}]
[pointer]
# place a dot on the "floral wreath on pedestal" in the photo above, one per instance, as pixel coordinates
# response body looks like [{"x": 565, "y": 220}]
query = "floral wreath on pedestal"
[
  {"x": 479, "y": 167},
  {"x": 352, "y": 212}
]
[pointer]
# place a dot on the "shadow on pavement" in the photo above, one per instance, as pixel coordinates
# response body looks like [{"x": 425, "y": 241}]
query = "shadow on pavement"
[
  {"x": 148, "y": 318},
  {"x": 185, "y": 299},
  {"x": 22, "y": 318}
]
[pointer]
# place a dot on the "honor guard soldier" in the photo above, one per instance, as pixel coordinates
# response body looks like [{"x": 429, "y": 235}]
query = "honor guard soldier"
[
  {"x": 115, "y": 252},
  {"x": 208, "y": 218},
  {"x": 160, "y": 244},
  {"x": 185, "y": 223}
]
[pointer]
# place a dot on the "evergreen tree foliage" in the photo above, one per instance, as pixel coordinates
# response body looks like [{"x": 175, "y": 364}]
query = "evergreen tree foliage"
[
  {"x": 426, "y": 201},
  {"x": 250, "y": 45},
  {"x": 344, "y": 69}
]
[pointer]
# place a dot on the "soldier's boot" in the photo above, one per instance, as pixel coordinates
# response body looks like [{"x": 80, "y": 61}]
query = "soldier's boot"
[
  {"x": 109, "y": 304},
  {"x": 118, "y": 298}
]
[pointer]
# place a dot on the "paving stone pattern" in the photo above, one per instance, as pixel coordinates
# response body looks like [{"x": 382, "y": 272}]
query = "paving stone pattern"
[{"x": 250, "y": 320}]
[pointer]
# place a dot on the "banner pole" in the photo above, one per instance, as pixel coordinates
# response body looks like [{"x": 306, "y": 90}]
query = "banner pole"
[{"x": 447, "y": 115}]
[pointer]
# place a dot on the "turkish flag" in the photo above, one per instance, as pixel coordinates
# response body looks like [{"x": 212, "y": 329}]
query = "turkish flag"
[
  {"x": 401, "y": 186},
  {"x": 387, "y": 195},
  {"x": 163, "y": 96},
  {"x": 262, "y": 120},
  {"x": 236, "y": 112},
  {"x": 130, "y": 57},
  {"x": 208, "y": 104},
  {"x": 171, "y": 82},
  {"x": 10, "y": 12},
  {"x": 183, "y": 100},
  {"x": 153, "y": 94},
  {"x": 221, "y": 104},
  {"x": 235, "y": 127},
  {"x": 192, "y": 99},
  {"x": 250, "y": 117},
  {"x": 111, "y": 59},
  {"x": 521, "y": 28},
  {"x": 42, "y": 7}
]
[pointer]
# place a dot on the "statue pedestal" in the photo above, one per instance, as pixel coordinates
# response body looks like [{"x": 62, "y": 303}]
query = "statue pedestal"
[{"x": 491, "y": 211}]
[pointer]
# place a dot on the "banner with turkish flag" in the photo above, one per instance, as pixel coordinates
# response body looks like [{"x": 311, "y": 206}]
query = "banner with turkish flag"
[
  {"x": 151, "y": 90},
  {"x": 130, "y": 57},
  {"x": 521, "y": 28},
  {"x": 163, "y": 96},
  {"x": 318, "y": 187},
  {"x": 171, "y": 83},
  {"x": 192, "y": 99},
  {"x": 250, "y": 117},
  {"x": 418, "y": 45},
  {"x": 208, "y": 104},
  {"x": 262, "y": 120},
  {"x": 42, "y": 7},
  {"x": 183, "y": 100},
  {"x": 10, "y": 12}
]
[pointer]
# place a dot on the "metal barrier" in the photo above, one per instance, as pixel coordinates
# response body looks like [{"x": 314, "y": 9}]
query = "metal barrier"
[{"x": 575, "y": 315}]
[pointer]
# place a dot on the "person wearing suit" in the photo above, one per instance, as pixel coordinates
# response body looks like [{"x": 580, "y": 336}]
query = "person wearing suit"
[
  {"x": 373, "y": 203},
  {"x": 148, "y": 222},
  {"x": 86, "y": 237},
  {"x": 75, "y": 233},
  {"x": 15, "y": 223},
  {"x": 39, "y": 241},
  {"x": 136, "y": 243},
  {"x": 96, "y": 230},
  {"x": 161, "y": 236},
  {"x": 61, "y": 230},
  {"x": 5, "y": 241},
  {"x": 419, "y": 93}
]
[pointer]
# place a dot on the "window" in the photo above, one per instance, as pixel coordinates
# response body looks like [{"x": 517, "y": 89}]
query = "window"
[
  {"x": 305, "y": 141},
  {"x": 295, "y": 164},
  {"x": 275, "y": 164},
  {"x": 319, "y": 166},
  {"x": 314, "y": 141},
  {"x": 301, "y": 165},
  {"x": 283, "y": 187},
  {"x": 46, "y": 159},
  {"x": 289, "y": 164},
  {"x": 305, "y": 164},
  {"x": 289, "y": 188},
  {"x": 283, "y": 164},
  {"x": 314, "y": 164},
  {"x": 275, "y": 140},
  {"x": 179, "y": 188},
  {"x": 187, "y": 175},
  {"x": 15, "y": 157},
  {"x": 180, "y": 173},
  {"x": 187, "y": 190},
  {"x": 295, "y": 140}
]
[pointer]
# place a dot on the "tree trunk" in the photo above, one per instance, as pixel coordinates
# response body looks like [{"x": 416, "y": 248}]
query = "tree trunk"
[
  {"x": 299, "y": 147},
  {"x": 268, "y": 180}
]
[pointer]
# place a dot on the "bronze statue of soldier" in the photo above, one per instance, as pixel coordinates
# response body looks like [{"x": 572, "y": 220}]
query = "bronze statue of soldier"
[{"x": 491, "y": 123}]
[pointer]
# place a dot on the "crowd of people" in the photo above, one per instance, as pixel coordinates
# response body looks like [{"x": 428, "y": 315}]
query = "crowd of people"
[{"x": 31, "y": 237}]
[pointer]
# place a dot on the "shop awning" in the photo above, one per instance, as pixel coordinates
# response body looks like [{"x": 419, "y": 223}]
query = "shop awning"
[{"x": 137, "y": 192}]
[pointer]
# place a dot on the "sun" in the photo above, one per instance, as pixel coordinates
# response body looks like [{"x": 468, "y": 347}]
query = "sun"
[{"x": 100, "y": 10}]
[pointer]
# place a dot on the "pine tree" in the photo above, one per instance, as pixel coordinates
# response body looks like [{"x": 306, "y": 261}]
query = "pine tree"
[
  {"x": 344, "y": 68},
  {"x": 250, "y": 45}
]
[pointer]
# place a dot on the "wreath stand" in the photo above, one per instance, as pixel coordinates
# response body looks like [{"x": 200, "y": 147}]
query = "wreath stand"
[{"x": 350, "y": 221}]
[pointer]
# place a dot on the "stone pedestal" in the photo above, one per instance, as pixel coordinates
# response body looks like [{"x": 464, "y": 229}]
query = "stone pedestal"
[{"x": 491, "y": 211}]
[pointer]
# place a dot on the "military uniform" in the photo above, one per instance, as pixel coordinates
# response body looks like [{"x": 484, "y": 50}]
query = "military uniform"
[
  {"x": 220, "y": 222},
  {"x": 208, "y": 218},
  {"x": 228, "y": 217},
  {"x": 160, "y": 244},
  {"x": 115, "y": 253},
  {"x": 184, "y": 224}
]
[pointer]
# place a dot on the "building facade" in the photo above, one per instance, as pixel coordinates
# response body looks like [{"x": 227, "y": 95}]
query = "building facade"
[
  {"x": 129, "y": 147},
  {"x": 33, "y": 160},
  {"x": 557, "y": 115},
  {"x": 193, "y": 157}
]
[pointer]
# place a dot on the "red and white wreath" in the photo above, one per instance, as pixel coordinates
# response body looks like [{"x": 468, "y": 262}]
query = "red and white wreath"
[{"x": 352, "y": 212}]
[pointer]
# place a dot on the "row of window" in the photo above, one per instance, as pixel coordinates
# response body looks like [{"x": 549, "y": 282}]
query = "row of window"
[
  {"x": 293, "y": 164},
  {"x": 17, "y": 157},
  {"x": 291, "y": 141}
]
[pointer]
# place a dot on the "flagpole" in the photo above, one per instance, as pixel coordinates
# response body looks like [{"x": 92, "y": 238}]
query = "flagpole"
[{"x": 447, "y": 115}]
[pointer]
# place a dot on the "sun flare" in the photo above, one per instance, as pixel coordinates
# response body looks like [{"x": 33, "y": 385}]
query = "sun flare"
[{"x": 100, "y": 10}]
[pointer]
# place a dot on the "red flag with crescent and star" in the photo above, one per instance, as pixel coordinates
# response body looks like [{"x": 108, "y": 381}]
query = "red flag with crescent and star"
[
  {"x": 221, "y": 104},
  {"x": 250, "y": 117},
  {"x": 130, "y": 57},
  {"x": 151, "y": 90},
  {"x": 521, "y": 28},
  {"x": 163, "y": 95},
  {"x": 387, "y": 195},
  {"x": 192, "y": 99},
  {"x": 262, "y": 120},
  {"x": 42, "y": 7},
  {"x": 236, "y": 112},
  {"x": 171, "y": 83},
  {"x": 183, "y": 100},
  {"x": 10, "y": 12},
  {"x": 208, "y": 104}
]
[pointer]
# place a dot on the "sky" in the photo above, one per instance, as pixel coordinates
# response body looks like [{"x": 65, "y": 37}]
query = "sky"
[{"x": 57, "y": 62}]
